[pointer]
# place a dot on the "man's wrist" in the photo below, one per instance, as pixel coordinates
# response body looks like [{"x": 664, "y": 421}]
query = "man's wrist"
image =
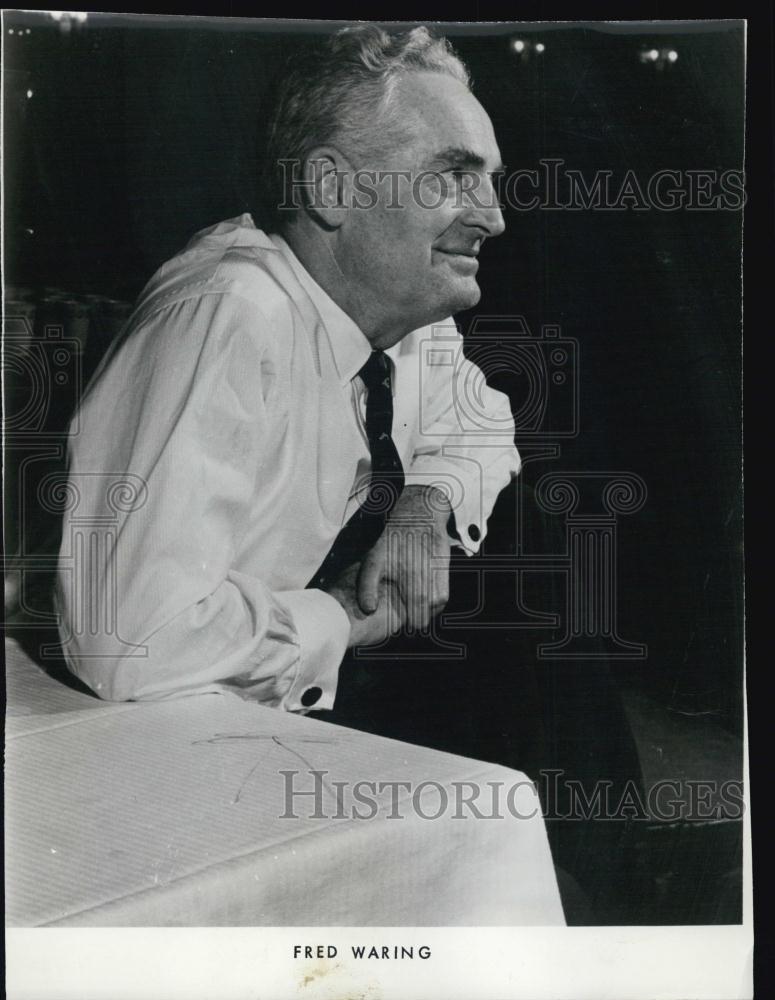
[{"x": 435, "y": 502}]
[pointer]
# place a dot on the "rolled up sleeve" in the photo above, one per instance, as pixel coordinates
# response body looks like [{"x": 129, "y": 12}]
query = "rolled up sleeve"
[
  {"x": 151, "y": 603},
  {"x": 465, "y": 443}
]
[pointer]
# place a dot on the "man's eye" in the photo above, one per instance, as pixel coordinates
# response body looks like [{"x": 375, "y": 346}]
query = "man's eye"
[{"x": 454, "y": 177}]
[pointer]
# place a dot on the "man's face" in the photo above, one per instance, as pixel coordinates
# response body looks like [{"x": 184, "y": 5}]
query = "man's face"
[{"x": 412, "y": 257}]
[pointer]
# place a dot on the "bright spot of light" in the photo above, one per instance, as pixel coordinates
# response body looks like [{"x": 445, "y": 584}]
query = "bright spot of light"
[
  {"x": 540, "y": 47},
  {"x": 30, "y": 93},
  {"x": 518, "y": 45},
  {"x": 71, "y": 15},
  {"x": 672, "y": 55},
  {"x": 653, "y": 55}
]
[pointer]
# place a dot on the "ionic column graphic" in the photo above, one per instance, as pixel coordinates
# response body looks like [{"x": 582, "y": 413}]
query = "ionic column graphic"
[
  {"x": 87, "y": 561},
  {"x": 591, "y": 565}
]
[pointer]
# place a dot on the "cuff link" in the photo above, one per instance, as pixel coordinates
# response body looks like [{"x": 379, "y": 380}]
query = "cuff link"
[{"x": 311, "y": 696}]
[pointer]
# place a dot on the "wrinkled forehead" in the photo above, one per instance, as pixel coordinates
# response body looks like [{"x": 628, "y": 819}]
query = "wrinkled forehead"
[{"x": 432, "y": 112}]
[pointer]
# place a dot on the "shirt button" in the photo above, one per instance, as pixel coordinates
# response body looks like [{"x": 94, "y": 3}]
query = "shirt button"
[
  {"x": 311, "y": 696},
  {"x": 474, "y": 533}
]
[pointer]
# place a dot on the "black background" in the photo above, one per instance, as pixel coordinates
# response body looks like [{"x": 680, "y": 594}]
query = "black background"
[{"x": 141, "y": 131}]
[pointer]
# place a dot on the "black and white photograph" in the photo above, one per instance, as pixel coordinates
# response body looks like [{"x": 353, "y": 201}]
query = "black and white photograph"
[{"x": 373, "y": 508}]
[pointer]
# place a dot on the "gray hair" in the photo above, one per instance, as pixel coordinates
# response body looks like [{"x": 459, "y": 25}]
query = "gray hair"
[{"x": 340, "y": 91}]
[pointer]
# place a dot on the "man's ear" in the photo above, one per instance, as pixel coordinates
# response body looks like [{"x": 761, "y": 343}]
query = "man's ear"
[{"x": 327, "y": 184}]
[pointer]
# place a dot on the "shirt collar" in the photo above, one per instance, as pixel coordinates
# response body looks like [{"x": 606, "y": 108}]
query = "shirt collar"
[{"x": 349, "y": 345}]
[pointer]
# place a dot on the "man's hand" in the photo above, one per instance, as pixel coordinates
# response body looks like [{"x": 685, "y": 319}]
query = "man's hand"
[
  {"x": 412, "y": 555},
  {"x": 367, "y": 629}
]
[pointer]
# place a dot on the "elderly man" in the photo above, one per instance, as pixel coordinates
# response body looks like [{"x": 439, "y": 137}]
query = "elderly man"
[
  {"x": 269, "y": 465},
  {"x": 270, "y": 468}
]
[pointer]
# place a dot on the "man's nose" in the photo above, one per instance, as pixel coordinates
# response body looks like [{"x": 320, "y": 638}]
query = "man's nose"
[
  {"x": 483, "y": 209},
  {"x": 495, "y": 223}
]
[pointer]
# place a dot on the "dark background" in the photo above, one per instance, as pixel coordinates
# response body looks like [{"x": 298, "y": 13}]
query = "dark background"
[{"x": 140, "y": 131}]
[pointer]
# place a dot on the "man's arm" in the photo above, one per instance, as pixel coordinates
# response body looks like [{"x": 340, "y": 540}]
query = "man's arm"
[
  {"x": 188, "y": 408},
  {"x": 461, "y": 462},
  {"x": 465, "y": 442}
]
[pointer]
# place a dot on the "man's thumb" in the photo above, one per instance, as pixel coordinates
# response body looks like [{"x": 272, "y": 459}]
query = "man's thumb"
[{"x": 368, "y": 585}]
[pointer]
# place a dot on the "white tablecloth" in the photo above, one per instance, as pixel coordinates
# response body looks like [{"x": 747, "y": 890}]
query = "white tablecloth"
[{"x": 171, "y": 814}]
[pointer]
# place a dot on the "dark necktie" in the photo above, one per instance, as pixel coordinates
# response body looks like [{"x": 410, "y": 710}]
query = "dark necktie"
[{"x": 387, "y": 476}]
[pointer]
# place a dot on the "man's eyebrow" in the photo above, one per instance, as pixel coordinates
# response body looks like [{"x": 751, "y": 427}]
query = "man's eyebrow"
[{"x": 459, "y": 156}]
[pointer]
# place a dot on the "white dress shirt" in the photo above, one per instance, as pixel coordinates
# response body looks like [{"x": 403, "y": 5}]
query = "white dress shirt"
[{"x": 216, "y": 455}]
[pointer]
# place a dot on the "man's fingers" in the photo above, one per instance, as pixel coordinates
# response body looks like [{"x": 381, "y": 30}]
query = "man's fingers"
[
  {"x": 369, "y": 580},
  {"x": 415, "y": 580},
  {"x": 416, "y": 564},
  {"x": 440, "y": 584},
  {"x": 396, "y": 609},
  {"x": 442, "y": 544},
  {"x": 412, "y": 582},
  {"x": 440, "y": 598}
]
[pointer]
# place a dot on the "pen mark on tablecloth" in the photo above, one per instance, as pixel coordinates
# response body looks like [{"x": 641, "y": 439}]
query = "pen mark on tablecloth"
[{"x": 226, "y": 737}]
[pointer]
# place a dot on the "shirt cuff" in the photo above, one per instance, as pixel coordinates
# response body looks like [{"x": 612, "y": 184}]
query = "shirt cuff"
[
  {"x": 323, "y": 631},
  {"x": 471, "y": 491}
]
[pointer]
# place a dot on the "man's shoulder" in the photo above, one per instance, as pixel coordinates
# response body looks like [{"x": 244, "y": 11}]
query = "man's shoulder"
[{"x": 229, "y": 261}]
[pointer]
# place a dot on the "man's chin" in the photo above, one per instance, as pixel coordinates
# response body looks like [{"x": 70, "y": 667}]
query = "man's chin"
[
  {"x": 466, "y": 296},
  {"x": 453, "y": 299}
]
